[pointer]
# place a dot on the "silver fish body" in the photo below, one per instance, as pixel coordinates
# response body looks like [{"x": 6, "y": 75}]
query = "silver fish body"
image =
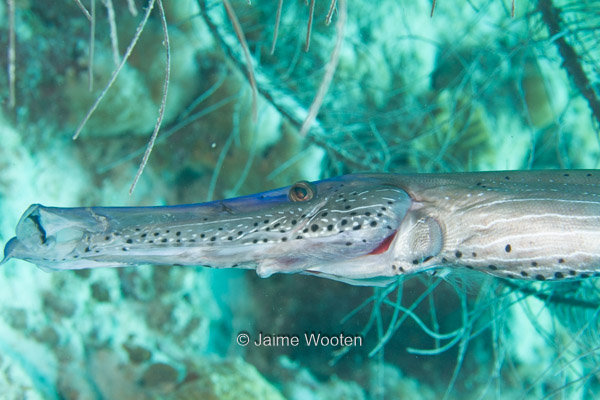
[{"x": 362, "y": 229}]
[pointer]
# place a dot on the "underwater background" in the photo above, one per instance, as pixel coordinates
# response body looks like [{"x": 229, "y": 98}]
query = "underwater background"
[{"x": 448, "y": 86}]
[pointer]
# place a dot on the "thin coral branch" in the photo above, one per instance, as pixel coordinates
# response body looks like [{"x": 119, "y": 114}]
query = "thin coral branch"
[
  {"x": 91, "y": 46},
  {"x": 329, "y": 70},
  {"x": 571, "y": 60},
  {"x": 311, "y": 12},
  {"x": 114, "y": 38},
  {"x": 432, "y": 9},
  {"x": 83, "y": 9},
  {"x": 116, "y": 72},
  {"x": 11, "y": 54},
  {"x": 512, "y": 9},
  {"x": 163, "y": 103},
  {"x": 276, "y": 30},
  {"x": 242, "y": 39},
  {"x": 132, "y": 9},
  {"x": 330, "y": 12}
]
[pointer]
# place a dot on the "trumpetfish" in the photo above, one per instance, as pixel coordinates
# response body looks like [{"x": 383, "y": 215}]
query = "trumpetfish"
[{"x": 363, "y": 229}]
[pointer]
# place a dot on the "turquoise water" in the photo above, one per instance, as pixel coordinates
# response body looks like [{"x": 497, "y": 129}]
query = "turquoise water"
[{"x": 468, "y": 89}]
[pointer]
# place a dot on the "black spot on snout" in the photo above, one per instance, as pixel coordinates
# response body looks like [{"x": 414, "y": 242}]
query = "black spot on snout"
[{"x": 38, "y": 225}]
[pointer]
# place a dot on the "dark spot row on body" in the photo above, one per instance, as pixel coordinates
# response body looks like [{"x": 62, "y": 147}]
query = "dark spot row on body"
[
  {"x": 534, "y": 264},
  {"x": 492, "y": 267},
  {"x": 458, "y": 254},
  {"x": 507, "y": 178},
  {"x": 540, "y": 277},
  {"x": 508, "y": 248},
  {"x": 524, "y": 274}
]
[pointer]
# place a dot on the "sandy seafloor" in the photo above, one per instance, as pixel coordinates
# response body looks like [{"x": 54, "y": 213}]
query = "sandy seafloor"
[{"x": 468, "y": 89}]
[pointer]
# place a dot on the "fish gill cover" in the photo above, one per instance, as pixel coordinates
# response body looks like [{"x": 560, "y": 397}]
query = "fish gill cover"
[{"x": 403, "y": 86}]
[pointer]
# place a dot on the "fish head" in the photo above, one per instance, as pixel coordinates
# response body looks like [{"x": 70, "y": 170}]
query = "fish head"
[{"x": 353, "y": 228}]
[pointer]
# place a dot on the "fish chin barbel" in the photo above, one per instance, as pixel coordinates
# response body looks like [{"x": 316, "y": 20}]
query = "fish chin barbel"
[{"x": 361, "y": 229}]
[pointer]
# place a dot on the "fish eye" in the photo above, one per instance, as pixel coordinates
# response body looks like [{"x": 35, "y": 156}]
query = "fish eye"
[{"x": 302, "y": 191}]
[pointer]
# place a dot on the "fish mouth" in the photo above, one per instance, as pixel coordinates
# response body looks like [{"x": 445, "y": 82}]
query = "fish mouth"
[{"x": 30, "y": 235}]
